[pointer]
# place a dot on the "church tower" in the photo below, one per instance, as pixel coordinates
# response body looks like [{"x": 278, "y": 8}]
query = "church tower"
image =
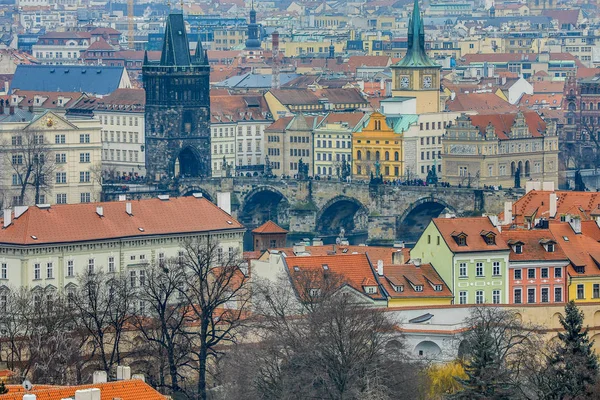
[
  {"x": 253, "y": 46},
  {"x": 177, "y": 107},
  {"x": 417, "y": 75}
]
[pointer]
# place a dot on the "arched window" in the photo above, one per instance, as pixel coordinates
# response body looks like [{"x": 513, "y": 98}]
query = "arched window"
[
  {"x": 368, "y": 155},
  {"x": 396, "y": 156},
  {"x": 377, "y": 156},
  {"x": 387, "y": 156},
  {"x": 527, "y": 168},
  {"x": 359, "y": 155},
  {"x": 358, "y": 170},
  {"x": 512, "y": 168},
  {"x": 582, "y": 106},
  {"x": 377, "y": 125},
  {"x": 572, "y": 106}
]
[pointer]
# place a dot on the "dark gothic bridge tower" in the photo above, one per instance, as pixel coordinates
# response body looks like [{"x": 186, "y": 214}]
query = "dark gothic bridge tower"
[{"x": 177, "y": 107}]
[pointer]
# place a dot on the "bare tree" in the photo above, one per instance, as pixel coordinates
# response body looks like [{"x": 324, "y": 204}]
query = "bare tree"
[
  {"x": 104, "y": 306},
  {"x": 333, "y": 348},
  {"x": 31, "y": 163},
  {"x": 216, "y": 293},
  {"x": 162, "y": 320}
]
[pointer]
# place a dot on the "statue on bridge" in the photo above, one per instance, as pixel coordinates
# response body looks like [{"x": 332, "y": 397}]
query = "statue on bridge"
[
  {"x": 432, "y": 178},
  {"x": 226, "y": 167},
  {"x": 268, "y": 171},
  {"x": 302, "y": 170},
  {"x": 346, "y": 173}
]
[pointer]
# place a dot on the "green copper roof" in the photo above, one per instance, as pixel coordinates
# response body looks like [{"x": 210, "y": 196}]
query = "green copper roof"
[
  {"x": 416, "y": 56},
  {"x": 401, "y": 123}
]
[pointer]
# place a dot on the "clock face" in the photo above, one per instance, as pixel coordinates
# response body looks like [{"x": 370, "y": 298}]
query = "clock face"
[
  {"x": 404, "y": 82},
  {"x": 427, "y": 81}
]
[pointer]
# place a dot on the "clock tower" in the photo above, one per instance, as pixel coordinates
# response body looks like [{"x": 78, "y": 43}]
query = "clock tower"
[{"x": 417, "y": 75}]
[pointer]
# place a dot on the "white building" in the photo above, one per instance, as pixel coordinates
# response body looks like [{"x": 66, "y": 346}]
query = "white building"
[
  {"x": 72, "y": 147},
  {"x": 61, "y": 47},
  {"x": 47, "y": 247}
]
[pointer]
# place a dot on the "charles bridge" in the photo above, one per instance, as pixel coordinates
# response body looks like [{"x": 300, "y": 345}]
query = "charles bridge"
[{"x": 380, "y": 213}]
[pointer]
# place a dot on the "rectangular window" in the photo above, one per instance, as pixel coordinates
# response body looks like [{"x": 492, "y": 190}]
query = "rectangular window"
[
  {"x": 70, "y": 268},
  {"x": 4, "y": 271},
  {"x": 91, "y": 266},
  {"x": 517, "y": 297},
  {"x": 49, "y": 271},
  {"x": 85, "y": 197},
  {"x": 61, "y": 198},
  {"x": 61, "y": 177},
  {"x": 462, "y": 270},
  {"x": 132, "y": 278},
  {"x": 531, "y": 273},
  {"x": 531, "y": 295},
  {"x": 111, "y": 264},
  {"x": 496, "y": 296},
  {"x": 479, "y": 269},
  {"x": 544, "y": 273},
  {"x": 59, "y": 139},
  {"x": 161, "y": 259},
  {"x": 462, "y": 297},
  {"x": 558, "y": 295},
  {"x": 580, "y": 291},
  {"x": 37, "y": 272},
  {"x": 558, "y": 272},
  {"x": 596, "y": 291},
  {"x": 84, "y": 157},
  {"x": 84, "y": 138},
  {"x": 479, "y": 297},
  {"x": 61, "y": 158},
  {"x": 84, "y": 176},
  {"x": 142, "y": 277},
  {"x": 496, "y": 268},
  {"x": 545, "y": 295}
]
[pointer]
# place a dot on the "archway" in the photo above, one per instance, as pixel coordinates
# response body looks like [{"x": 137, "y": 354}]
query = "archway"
[
  {"x": 263, "y": 204},
  {"x": 556, "y": 320},
  {"x": 597, "y": 318},
  {"x": 463, "y": 349},
  {"x": 342, "y": 212},
  {"x": 187, "y": 164},
  {"x": 428, "y": 349},
  {"x": 415, "y": 219}
]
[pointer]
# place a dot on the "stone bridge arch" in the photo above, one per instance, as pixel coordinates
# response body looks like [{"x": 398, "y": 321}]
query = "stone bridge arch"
[
  {"x": 342, "y": 212},
  {"x": 190, "y": 190},
  {"x": 413, "y": 221},
  {"x": 262, "y": 204}
]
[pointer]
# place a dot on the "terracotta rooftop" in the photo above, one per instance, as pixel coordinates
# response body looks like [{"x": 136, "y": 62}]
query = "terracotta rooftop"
[
  {"x": 407, "y": 276},
  {"x": 388, "y": 255},
  {"x": 47, "y": 100},
  {"x": 483, "y": 103},
  {"x": 124, "y": 390},
  {"x": 536, "y": 203},
  {"x": 583, "y": 251},
  {"x": 64, "y": 223},
  {"x": 503, "y": 123},
  {"x": 354, "y": 269},
  {"x": 474, "y": 229},
  {"x": 100, "y": 44},
  {"x": 238, "y": 107},
  {"x": 269, "y": 227},
  {"x": 532, "y": 242}
]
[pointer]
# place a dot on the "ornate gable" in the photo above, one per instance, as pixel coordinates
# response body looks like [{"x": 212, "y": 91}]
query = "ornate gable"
[{"x": 49, "y": 121}]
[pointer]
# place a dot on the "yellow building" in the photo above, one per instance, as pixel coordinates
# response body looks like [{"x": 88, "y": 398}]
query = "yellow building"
[
  {"x": 417, "y": 75},
  {"x": 331, "y": 21},
  {"x": 228, "y": 38},
  {"x": 292, "y": 48},
  {"x": 377, "y": 149}
]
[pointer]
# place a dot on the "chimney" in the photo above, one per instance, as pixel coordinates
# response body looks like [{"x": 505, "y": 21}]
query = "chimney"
[
  {"x": 494, "y": 220},
  {"x": 397, "y": 257},
  {"x": 416, "y": 262},
  {"x": 380, "y": 267},
  {"x": 575, "y": 223},
  {"x": 12, "y": 110},
  {"x": 87, "y": 394},
  {"x": 122, "y": 197},
  {"x": 224, "y": 201},
  {"x": 29, "y": 396},
  {"x": 7, "y": 217},
  {"x": 553, "y": 200},
  {"x": 100, "y": 211},
  {"x": 128, "y": 208},
  {"x": 99, "y": 377},
  {"x": 508, "y": 213},
  {"x": 140, "y": 377},
  {"x": 123, "y": 373}
]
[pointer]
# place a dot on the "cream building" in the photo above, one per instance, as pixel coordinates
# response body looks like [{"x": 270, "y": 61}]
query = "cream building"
[
  {"x": 44, "y": 249},
  {"x": 491, "y": 149},
  {"x": 332, "y": 141},
  {"x": 72, "y": 146}
]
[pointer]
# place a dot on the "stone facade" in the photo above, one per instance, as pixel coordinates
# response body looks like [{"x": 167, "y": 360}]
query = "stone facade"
[
  {"x": 177, "y": 108},
  {"x": 489, "y": 150}
]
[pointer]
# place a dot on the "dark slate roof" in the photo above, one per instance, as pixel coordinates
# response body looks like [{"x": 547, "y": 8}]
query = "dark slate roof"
[
  {"x": 176, "y": 48},
  {"x": 99, "y": 80}
]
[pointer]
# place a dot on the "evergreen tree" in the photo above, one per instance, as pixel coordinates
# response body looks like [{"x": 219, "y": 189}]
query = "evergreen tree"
[
  {"x": 573, "y": 366},
  {"x": 3, "y": 388}
]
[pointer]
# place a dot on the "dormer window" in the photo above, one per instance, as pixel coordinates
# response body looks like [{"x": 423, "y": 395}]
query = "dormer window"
[
  {"x": 325, "y": 267},
  {"x": 519, "y": 248},
  {"x": 370, "y": 289},
  {"x": 314, "y": 292},
  {"x": 550, "y": 248},
  {"x": 460, "y": 238},
  {"x": 490, "y": 240},
  {"x": 437, "y": 288},
  {"x": 398, "y": 288},
  {"x": 418, "y": 288}
]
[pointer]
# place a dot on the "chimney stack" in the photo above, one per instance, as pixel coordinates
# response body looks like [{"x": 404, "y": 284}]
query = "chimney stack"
[
  {"x": 508, "y": 213},
  {"x": 553, "y": 205},
  {"x": 380, "y": 267},
  {"x": 7, "y": 217},
  {"x": 123, "y": 373},
  {"x": 100, "y": 211},
  {"x": 575, "y": 222},
  {"x": 87, "y": 394},
  {"x": 29, "y": 396},
  {"x": 128, "y": 208},
  {"x": 224, "y": 201},
  {"x": 99, "y": 377}
]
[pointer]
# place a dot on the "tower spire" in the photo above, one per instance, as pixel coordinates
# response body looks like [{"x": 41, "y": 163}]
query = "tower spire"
[{"x": 416, "y": 56}]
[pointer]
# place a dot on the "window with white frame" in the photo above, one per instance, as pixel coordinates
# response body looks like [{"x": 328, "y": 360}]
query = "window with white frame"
[
  {"x": 496, "y": 268},
  {"x": 558, "y": 272},
  {"x": 479, "y": 298},
  {"x": 4, "y": 271},
  {"x": 91, "y": 265},
  {"x": 132, "y": 278},
  {"x": 49, "y": 271},
  {"x": 544, "y": 273},
  {"x": 558, "y": 294},
  {"x": 142, "y": 278},
  {"x": 496, "y": 296},
  {"x": 545, "y": 295},
  {"x": 530, "y": 295},
  {"x": 462, "y": 270},
  {"x": 37, "y": 271},
  {"x": 111, "y": 264},
  {"x": 479, "y": 269},
  {"x": 70, "y": 268},
  {"x": 161, "y": 259},
  {"x": 518, "y": 293},
  {"x": 462, "y": 297}
]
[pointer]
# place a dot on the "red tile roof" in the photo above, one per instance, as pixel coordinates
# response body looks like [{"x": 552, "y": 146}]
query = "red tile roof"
[
  {"x": 503, "y": 123},
  {"x": 548, "y": 87},
  {"x": 355, "y": 62},
  {"x": 49, "y": 100},
  {"x": 484, "y": 103},
  {"x": 532, "y": 240},
  {"x": 238, "y": 107},
  {"x": 537, "y": 203},
  {"x": 269, "y": 227},
  {"x": 351, "y": 118},
  {"x": 582, "y": 251},
  {"x": 405, "y": 274},
  {"x": 134, "y": 389},
  {"x": 354, "y": 269},
  {"x": 541, "y": 100},
  {"x": 450, "y": 228},
  {"x": 63, "y": 223},
  {"x": 100, "y": 44},
  {"x": 387, "y": 254}
]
